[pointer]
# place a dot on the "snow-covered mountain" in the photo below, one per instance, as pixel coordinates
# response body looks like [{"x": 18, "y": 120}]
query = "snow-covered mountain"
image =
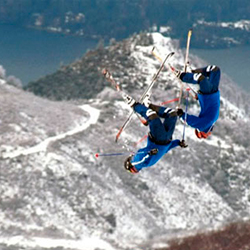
[{"x": 56, "y": 195}]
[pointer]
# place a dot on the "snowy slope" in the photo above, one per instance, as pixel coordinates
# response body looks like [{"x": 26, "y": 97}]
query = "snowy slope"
[{"x": 56, "y": 194}]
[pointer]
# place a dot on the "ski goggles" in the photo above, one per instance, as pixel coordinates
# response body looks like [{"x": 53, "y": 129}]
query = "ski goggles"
[{"x": 202, "y": 135}]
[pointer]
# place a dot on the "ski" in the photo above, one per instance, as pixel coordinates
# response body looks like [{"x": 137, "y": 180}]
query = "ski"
[
  {"x": 186, "y": 63},
  {"x": 187, "y": 49},
  {"x": 107, "y": 75},
  {"x": 148, "y": 89}
]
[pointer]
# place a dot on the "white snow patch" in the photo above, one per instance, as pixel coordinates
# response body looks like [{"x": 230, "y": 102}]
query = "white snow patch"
[
  {"x": 165, "y": 29},
  {"x": 231, "y": 40},
  {"x": 234, "y": 110},
  {"x": 2, "y": 82},
  {"x": 84, "y": 244},
  {"x": 10, "y": 193},
  {"x": 160, "y": 40},
  {"x": 216, "y": 142},
  {"x": 25, "y": 115},
  {"x": 212, "y": 140},
  {"x": 123, "y": 105},
  {"x": 16, "y": 127}
]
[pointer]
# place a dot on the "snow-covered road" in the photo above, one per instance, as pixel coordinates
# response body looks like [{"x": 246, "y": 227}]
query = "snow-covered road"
[{"x": 42, "y": 147}]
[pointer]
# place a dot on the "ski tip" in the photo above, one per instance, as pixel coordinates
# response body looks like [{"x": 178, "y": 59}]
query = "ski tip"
[
  {"x": 104, "y": 71},
  {"x": 117, "y": 137},
  {"x": 118, "y": 134}
]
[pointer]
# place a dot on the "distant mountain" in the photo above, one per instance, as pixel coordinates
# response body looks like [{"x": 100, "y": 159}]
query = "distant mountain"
[
  {"x": 107, "y": 19},
  {"x": 56, "y": 195}
]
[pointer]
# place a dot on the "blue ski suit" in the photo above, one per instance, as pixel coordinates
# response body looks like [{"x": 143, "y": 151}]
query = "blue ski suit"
[
  {"x": 209, "y": 97},
  {"x": 160, "y": 137}
]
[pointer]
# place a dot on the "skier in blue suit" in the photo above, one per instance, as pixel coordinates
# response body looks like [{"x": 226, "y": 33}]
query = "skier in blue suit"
[
  {"x": 159, "y": 138},
  {"x": 208, "y": 79}
]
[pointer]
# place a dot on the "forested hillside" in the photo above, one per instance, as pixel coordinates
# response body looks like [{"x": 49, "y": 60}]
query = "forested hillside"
[{"x": 106, "y": 19}]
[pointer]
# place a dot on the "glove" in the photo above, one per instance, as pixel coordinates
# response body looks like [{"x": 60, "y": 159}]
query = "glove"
[
  {"x": 129, "y": 100},
  {"x": 176, "y": 72},
  {"x": 153, "y": 151},
  {"x": 182, "y": 144},
  {"x": 180, "y": 112},
  {"x": 146, "y": 100},
  {"x": 176, "y": 112}
]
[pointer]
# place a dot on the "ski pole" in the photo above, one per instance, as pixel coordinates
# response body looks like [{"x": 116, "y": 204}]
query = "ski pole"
[
  {"x": 121, "y": 153},
  {"x": 173, "y": 100},
  {"x": 185, "y": 121},
  {"x": 111, "y": 154},
  {"x": 187, "y": 49},
  {"x": 141, "y": 140}
]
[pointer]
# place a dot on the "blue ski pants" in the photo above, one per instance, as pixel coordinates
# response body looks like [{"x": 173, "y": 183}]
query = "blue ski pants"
[{"x": 160, "y": 131}]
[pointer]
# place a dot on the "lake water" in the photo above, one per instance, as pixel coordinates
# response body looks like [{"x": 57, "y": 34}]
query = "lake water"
[
  {"x": 235, "y": 62},
  {"x": 30, "y": 54}
]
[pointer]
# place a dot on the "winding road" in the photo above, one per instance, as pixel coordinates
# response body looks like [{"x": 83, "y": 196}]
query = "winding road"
[{"x": 42, "y": 146}]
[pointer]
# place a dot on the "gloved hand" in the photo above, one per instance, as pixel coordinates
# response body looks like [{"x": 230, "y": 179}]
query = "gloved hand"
[
  {"x": 183, "y": 144},
  {"x": 176, "y": 71},
  {"x": 176, "y": 112},
  {"x": 180, "y": 112},
  {"x": 147, "y": 100},
  {"x": 129, "y": 100}
]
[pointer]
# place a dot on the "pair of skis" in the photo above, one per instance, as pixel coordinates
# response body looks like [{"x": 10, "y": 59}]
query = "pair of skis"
[
  {"x": 184, "y": 70},
  {"x": 109, "y": 78}
]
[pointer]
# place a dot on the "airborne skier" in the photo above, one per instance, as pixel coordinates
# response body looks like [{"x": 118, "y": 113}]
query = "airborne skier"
[
  {"x": 160, "y": 134},
  {"x": 208, "y": 79},
  {"x": 159, "y": 137}
]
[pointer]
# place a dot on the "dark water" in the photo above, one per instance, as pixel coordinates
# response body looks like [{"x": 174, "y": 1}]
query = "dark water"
[
  {"x": 235, "y": 62},
  {"x": 30, "y": 54}
]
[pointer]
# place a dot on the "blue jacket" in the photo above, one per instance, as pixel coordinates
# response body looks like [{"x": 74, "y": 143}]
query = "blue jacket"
[
  {"x": 209, "y": 102},
  {"x": 210, "y": 109},
  {"x": 143, "y": 159}
]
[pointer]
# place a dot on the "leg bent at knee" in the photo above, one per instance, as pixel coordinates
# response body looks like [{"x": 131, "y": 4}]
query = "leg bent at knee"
[{"x": 151, "y": 114}]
